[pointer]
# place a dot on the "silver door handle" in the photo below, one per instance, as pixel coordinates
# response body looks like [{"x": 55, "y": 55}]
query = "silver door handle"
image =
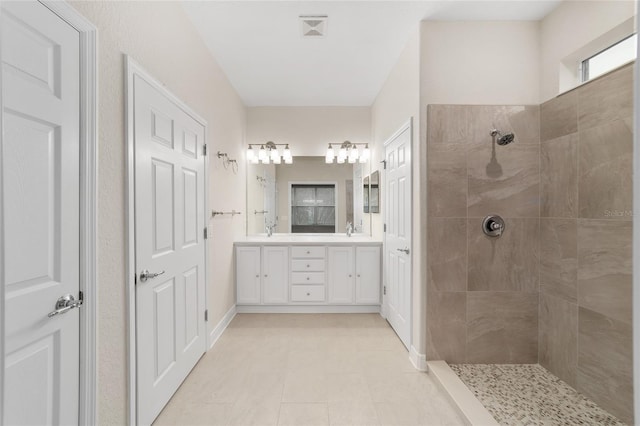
[
  {"x": 65, "y": 304},
  {"x": 145, "y": 275},
  {"x": 404, "y": 250}
]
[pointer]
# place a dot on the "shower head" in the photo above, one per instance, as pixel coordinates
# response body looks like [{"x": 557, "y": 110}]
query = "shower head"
[{"x": 503, "y": 139}]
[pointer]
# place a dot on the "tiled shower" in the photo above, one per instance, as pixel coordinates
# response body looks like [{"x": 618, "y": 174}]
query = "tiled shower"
[{"x": 555, "y": 288}]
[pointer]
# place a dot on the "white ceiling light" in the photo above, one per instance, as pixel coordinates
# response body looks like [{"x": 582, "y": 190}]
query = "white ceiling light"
[
  {"x": 314, "y": 26},
  {"x": 268, "y": 152}
]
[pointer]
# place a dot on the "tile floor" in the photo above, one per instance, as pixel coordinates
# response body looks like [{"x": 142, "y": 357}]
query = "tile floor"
[
  {"x": 528, "y": 394},
  {"x": 308, "y": 369}
]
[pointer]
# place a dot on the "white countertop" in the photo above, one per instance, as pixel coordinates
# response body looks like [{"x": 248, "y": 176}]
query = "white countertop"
[{"x": 307, "y": 239}]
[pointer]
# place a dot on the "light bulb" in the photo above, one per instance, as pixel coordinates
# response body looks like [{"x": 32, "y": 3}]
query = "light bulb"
[
  {"x": 276, "y": 160},
  {"x": 340, "y": 160},
  {"x": 286, "y": 155},
  {"x": 366, "y": 153},
  {"x": 342, "y": 153},
  {"x": 330, "y": 155},
  {"x": 274, "y": 154},
  {"x": 250, "y": 154},
  {"x": 255, "y": 160},
  {"x": 262, "y": 154}
]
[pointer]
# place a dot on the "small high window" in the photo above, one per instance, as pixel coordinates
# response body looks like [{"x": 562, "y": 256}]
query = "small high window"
[{"x": 610, "y": 58}]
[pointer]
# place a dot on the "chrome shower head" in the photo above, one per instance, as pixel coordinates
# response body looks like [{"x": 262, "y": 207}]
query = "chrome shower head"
[{"x": 503, "y": 139}]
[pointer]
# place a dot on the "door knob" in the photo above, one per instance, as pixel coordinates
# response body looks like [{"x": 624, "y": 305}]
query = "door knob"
[
  {"x": 145, "y": 275},
  {"x": 65, "y": 304},
  {"x": 404, "y": 250}
]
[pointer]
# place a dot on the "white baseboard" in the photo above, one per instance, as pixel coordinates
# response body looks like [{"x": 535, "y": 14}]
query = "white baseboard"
[
  {"x": 471, "y": 410},
  {"x": 308, "y": 309},
  {"x": 418, "y": 360},
  {"x": 221, "y": 326}
]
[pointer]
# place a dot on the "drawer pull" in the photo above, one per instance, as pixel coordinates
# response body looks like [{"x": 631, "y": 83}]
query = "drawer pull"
[
  {"x": 308, "y": 294},
  {"x": 308, "y": 266},
  {"x": 349, "y": 275},
  {"x": 308, "y": 252},
  {"x": 307, "y": 278}
]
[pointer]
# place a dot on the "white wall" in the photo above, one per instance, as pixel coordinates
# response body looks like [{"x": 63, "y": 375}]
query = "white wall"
[
  {"x": 576, "y": 26},
  {"x": 309, "y": 130},
  {"x": 480, "y": 63},
  {"x": 397, "y": 102},
  {"x": 164, "y": 42}
]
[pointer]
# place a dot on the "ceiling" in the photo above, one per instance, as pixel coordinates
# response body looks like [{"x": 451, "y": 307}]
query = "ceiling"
[{"x": 260, "y": 47}]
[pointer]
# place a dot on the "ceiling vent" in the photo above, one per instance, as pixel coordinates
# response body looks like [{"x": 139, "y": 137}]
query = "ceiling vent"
[{"x": 314, "y": 26}]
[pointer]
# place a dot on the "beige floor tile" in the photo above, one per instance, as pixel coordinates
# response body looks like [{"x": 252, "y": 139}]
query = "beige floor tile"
[
  {"x": 305, "y": 387},
  {"x": 353, "y": 413},
  {"x": 303, "y": 415},
  {"x": 302, "y": 370},
  {"x": 193, "y": 414},
  {"x": 347, "y": 387},
  {"x": 260, "y": 413}
]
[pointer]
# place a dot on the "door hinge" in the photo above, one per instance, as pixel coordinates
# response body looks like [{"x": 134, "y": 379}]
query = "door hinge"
[
  {"x": 81, "y": 296},
  {"x": 206, "y": 233},
  {"x": 384, "y": 228},
  {"x": 384, "y": 290},
  {"x": 206, "y": 315},
  {"x": 204, "y": 149},
  {"x": 384, "y": 164}
]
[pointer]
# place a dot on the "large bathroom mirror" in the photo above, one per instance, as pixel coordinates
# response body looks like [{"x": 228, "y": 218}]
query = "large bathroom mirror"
[{"x": 306, "y": 197}]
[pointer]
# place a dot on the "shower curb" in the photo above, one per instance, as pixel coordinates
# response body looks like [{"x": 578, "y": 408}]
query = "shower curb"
[{"x": 471, "y": 410}]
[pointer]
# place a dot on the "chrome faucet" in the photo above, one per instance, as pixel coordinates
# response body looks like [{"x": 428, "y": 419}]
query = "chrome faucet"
[
  {"x": 349, "y": 229},
  {"x": 269, "y": 229}
]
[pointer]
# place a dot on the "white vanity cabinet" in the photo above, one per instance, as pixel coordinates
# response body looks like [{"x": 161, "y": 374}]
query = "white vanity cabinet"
[
  {"x": 368, "y": 275},
  {"x": 341, "y": 268},
  {"x": 262, "y": 275},
  {"x": 332, "y": 274}
]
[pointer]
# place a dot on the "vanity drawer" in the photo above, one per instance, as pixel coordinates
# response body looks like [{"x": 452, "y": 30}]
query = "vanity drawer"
[
  {"x": 307, "y": 293},
  {"x": 307, "y": 278},
  {"x": 308, "y": 265},
  {"x": 307, "y": 252}
]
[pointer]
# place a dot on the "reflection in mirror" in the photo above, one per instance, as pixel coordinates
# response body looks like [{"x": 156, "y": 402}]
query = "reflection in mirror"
[
  {"x": 365, "y": 195},
  {"x": 374, "y": 189},
  {"x": 308, "y": 196}
]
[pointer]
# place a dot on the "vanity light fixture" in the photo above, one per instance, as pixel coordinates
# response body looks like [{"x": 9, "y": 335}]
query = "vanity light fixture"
[
  {"x": 348, "y": 152},
  {"x": 269, "y": 153}
]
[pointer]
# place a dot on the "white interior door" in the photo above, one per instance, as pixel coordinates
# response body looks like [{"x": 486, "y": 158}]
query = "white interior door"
[
  {"x": 41, "y": 223},
  {"x": 169, "y": 239},
  {"x": 397, "y": 245}
]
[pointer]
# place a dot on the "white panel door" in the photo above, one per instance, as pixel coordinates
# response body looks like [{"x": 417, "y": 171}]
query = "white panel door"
[
  {"x": 368, "y": 275},
  {"x": 169, "y": 235},
  {"x": 275, "y": 275},
  {"x": 340, "y": 279},
  {"x": 397, "y": 245},
  {"x": 41, "y": 223},
  {"x": 248, "y": 271}
]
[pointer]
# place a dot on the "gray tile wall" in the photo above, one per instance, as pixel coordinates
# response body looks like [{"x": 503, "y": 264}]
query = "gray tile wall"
[
  {"x": 556, "y": 287},
  {"x": 585, "y": 252},
  {"x": 483, "y": 293}
]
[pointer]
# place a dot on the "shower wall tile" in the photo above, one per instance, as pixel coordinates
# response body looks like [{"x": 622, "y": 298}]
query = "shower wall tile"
[
  {"x": 502, "y": 327},
  {"x": 605, "y": 267},
  {"x": 447, "y": 124},
  {"x": 447, "y": 248},
  {"x": 559, "y": 177},
  {"x": 558, "y": 337},
  {"x": 559, "y": 116},
  {"x": 559, "y": 258},
  {"x": 606, "y": 99},
  {"x": 508, "y": 263},
  {"x": 523, "y": 121},
  {"x": 606, "y": 168},
  {"x": 447, "y": 180},
  {"x": 605, "y": 363},
  {"x": 505, "y": 181},
  {"x": 447, "y": 330}
]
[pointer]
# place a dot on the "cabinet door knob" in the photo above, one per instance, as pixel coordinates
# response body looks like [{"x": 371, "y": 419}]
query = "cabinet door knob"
[
  {"x": 265, "y": 275},
  {"x": 349, "y": 275},
  {"x": 358, "y": 275},
  {"x": 257, "y": 275}
]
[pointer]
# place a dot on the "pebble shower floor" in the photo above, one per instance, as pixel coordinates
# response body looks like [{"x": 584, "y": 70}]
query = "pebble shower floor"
[{"x": 528, "y": 394}]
